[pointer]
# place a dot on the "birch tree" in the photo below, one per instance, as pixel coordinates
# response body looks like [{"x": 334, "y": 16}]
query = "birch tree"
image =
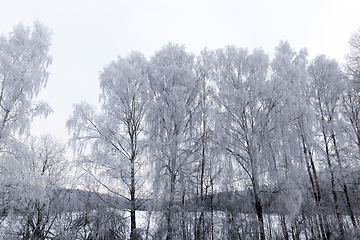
[
  {"x": 248, "y": 105},
  {"x": 24, "y": 60},
  {"x": 206, "y": 167},
  {"x": 38, "y": 169},
  {"x": 116, "y": 134},
  {"x": 174, "y": 92},
  {"x": 327, "y": 89},
  {"x": 286, "y": 172},
  {"x": 351, "y": 109}
]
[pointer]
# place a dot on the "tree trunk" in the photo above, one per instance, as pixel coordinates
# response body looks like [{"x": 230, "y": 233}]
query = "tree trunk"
[
  {"x": 133, "y": 233},
  {"x": 170, "y": 206},
  {"x": 313, "y": 179},
  {"x": 259, "y": 213},
  {"x": 332, "y": 179},
  {"x": 258, "y": 207},
  {"x": 256, "y": 189},
  {"x": 284, "y": 227},
  {"x": 348, "y": 204},
  {"x": 212, "y": 208},
  {"x": 200, "y": 223},
  {"x": 183, "y": 216}
]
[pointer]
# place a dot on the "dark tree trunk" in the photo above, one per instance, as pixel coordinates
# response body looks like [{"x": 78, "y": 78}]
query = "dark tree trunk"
[
  {"x": 332, "y": 180},
  {"x": 258, "y": 208},
  {"x": 133, "y": 231},
  {"x": 133, "y": 235},
  {"x": 169, "y": 233},
  {"x": 314, "y": 181},
  {"x": 344, "y": 185},
  {"x": 284, "y": 227}
]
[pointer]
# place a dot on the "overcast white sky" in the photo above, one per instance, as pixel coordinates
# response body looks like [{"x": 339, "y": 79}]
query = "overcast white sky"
[{"x": 88, "y": 35}]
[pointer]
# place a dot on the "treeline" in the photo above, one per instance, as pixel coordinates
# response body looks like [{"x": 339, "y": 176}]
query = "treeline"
[{"x": 226, "y": 144}]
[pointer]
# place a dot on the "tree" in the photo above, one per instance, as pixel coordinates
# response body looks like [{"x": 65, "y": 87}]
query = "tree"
[
  {"x": 327, "y": 88},
  {"x": 24, "y": 59},
  {"x": 39, "y": 171},
  {"x": 351, "y": 107},
  {"x": 205, "y": 169},
  {"x": 290, "y": 76},
  {"x": 116, "y": 134},
  {"x": 248, "y": 105},
  {"x": 174, "y": 92}
]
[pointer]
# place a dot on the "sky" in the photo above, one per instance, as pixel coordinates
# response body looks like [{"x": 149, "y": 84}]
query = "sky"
[{"x": 89, "y": 35}]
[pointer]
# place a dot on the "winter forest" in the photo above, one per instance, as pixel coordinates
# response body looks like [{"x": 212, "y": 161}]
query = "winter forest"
[{"x": 225, "y": 144}]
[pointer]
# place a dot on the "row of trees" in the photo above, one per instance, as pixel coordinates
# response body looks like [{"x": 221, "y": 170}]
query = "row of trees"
[
  {"x": 273, "y": 143},
  {"x": 283, "y": 130}
]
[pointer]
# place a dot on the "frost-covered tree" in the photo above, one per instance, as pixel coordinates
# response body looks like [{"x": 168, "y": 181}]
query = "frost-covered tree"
[
  {"x": 206, "y": 167},
  {"x": 175, "y": 92},
  {"x": 38, "y": 170},
  {"x": 115, "y": 135},
  {"x": 286, "y": 172},
  {"x": 327, "y": 87},
  {"x": 351, "y": 111},
  {"x": 248, "y": 105},
  {"x": 24, "y": 59}
]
